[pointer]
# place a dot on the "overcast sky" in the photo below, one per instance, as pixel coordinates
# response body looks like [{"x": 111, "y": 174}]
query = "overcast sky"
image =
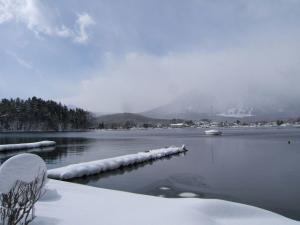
[{"x": 133, "y": 55}]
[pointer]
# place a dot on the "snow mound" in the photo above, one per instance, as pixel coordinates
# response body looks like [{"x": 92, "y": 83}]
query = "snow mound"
[
  {"x": 165, "y": 188},
  {"x": 95, "y": 167},
  {"x": 40, "y": 144},
  {"x": 23, "y": 167},
  {"x": 187, "y": 195}
]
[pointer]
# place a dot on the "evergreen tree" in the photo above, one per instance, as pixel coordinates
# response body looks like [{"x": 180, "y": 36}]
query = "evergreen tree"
[{"x": 38, "y": 114}]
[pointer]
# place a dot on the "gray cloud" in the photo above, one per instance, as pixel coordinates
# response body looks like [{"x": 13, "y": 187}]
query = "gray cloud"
[{"x": 264, "y": 67}]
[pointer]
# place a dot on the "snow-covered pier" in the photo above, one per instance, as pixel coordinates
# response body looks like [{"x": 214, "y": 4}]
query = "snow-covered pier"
[
  {"x": 14, "y": 147},
  {"x": 103, "y": 165}
]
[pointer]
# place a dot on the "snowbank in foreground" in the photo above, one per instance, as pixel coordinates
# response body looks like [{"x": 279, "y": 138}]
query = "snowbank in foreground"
[
  {"x": 74, "y": 204},
  {"x": 22, "y": 146},
  {"x": 95, "y": 167}
]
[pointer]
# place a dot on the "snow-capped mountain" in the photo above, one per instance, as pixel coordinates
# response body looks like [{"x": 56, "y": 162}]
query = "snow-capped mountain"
[
  {"x": 189, "y": 106},
  {"x": 198, "y": 106},
  {"x": 238, "y": 112}
]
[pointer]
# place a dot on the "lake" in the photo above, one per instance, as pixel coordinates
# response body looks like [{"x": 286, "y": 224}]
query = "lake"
[{"x": 253, "y": 166}]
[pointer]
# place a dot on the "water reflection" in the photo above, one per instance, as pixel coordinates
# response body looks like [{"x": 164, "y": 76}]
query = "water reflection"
[
  {"x": 4, "y": 155},
  {"x": 95, "y": 180}
]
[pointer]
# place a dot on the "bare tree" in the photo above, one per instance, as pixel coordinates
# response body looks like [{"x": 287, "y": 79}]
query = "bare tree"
[{"x": 17, "y": 206}]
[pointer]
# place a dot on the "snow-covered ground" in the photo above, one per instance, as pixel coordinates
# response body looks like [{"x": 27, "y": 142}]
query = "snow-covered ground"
[
  {"x": 98, "y": 166},
  {"x": 73, "y": 204},
  {"x": 22, "y": 146}
]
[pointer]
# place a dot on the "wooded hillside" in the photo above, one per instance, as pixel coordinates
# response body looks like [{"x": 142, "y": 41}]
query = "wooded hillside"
[{"x": 36, "y": 114}]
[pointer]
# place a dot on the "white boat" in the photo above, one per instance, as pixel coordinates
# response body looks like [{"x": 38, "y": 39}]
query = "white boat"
[{"x": 213, "y": 132}]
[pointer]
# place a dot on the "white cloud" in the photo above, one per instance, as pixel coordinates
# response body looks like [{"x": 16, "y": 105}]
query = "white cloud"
[
  {"x": 36, "y": 18},
  {"x": 5, "y": 11},
  {"x": 19, "y": 60},
  {"x": 28, "y": 12},
  {"x": 83, "y": 21}
]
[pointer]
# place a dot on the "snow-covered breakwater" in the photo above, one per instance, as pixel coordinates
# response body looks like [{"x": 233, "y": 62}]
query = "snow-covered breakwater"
[
  {"x": 22, "y": 146},
  {"x": 103, "y": 165}
]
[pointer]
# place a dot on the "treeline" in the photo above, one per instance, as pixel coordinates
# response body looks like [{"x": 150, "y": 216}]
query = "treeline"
[
  {"x": 129, "y": 120},
  {"x": 125, "y": 125},
  {"x": 36, "y": 114}
]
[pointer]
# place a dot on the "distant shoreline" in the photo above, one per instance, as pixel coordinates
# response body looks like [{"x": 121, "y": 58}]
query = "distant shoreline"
[{"x": 150, "y": 128}]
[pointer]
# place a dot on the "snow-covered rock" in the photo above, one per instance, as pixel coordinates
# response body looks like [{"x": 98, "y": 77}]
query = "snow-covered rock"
[
  {"x": 22, "y": 146},
  {"x": 23, "y": 167},
  {"x": 75, "y": 204},
  {"x": 95, "y": 167}
]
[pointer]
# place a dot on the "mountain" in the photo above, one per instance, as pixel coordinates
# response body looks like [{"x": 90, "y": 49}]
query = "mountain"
[
  {"x": 237, "y": 112},
  {"x": 199, "y": 106},
  {"x": 189, "y": 106},
  {"x": 127, "y": 120}
]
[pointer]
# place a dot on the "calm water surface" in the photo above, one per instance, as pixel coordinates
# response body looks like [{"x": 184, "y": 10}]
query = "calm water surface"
[{"x": 252, "y": 166}]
